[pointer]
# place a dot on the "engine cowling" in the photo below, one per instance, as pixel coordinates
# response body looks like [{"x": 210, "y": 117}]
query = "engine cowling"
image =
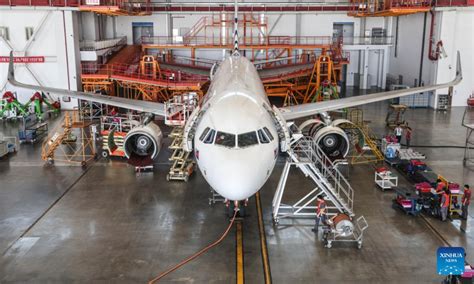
[
  {"x": 143, "y": 141},
  {"x": 332, "y": 140}
]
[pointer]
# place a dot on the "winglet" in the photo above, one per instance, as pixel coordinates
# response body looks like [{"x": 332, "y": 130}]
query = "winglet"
[{"x": 11, "y": 72}]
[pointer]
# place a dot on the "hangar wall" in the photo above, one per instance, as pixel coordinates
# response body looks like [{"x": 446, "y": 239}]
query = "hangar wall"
[
  {"x": 455, "y": 28},
  {"x": 55, "y": 39}
]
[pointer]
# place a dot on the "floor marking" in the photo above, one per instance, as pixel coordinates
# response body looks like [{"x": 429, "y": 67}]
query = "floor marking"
[
  {"x": 263, "y": 242},
  {"x": 239, "y": 253}
]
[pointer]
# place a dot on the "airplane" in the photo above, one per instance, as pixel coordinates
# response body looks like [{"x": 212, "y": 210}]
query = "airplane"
[{"x": 235, "y": 132}]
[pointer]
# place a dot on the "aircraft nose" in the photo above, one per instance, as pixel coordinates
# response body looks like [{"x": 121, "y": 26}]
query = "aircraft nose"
[{"x": 241, "y": 174}]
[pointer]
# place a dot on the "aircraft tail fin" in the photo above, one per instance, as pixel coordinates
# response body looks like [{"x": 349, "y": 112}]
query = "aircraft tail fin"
[{"x": 236, "y": 28}]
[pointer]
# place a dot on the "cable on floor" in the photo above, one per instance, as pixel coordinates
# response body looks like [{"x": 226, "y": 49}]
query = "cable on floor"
[{"x": 197, "y": 254}]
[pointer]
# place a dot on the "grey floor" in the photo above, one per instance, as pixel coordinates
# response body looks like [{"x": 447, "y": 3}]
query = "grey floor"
[{"x": 62, "y": 224}]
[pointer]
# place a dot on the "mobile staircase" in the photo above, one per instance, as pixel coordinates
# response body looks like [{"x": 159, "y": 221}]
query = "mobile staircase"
[{"x": 306, "y": 155}]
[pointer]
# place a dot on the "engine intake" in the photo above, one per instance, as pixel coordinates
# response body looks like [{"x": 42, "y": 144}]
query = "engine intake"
[
  {"x": 333, "y": 141},
  {"x": 143, "y": 142}
]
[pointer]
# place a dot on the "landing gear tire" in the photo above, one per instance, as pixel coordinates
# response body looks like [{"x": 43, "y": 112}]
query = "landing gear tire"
[{"x": 105, "y": 154}]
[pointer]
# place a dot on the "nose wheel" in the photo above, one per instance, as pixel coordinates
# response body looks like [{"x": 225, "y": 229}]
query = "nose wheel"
[{"x": 236, "y": 205}]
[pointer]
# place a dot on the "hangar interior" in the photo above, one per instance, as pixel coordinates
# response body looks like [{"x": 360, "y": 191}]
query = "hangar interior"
[{"x": 200, "y": 142}]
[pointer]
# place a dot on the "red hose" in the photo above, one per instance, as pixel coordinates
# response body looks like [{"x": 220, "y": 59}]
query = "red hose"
[{"x": 202, "y": 251}]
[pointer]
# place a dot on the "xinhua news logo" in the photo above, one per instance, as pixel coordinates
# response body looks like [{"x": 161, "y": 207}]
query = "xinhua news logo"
[{"x": 450, "y": 260}]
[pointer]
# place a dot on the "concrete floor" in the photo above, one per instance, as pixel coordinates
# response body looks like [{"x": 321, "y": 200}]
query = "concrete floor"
[{"x": 106, "y": 225}]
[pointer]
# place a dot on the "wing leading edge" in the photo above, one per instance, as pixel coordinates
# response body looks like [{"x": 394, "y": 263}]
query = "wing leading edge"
[
  {"x": 297, "y": 111},
  {"x": 142, "y": 106}
]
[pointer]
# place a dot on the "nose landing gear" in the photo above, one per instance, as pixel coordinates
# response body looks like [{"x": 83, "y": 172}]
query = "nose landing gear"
[{"x": 239, "y": 206}]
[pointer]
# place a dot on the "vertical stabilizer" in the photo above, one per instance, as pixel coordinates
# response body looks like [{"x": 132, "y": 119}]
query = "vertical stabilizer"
[{"x": 236, "y": 29}]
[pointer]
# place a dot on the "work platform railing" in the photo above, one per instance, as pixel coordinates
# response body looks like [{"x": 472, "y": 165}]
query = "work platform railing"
[
  {"x": 92, "y": 45},
  {"x": 291, "y": 41},
  {"x": 306, "y": 155},
  {"x": 132, "y": 72},
  {"x": 146, "y": 7}
]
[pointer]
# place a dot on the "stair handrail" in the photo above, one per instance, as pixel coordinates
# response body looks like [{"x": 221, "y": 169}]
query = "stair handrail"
[{"x": 307, "y": 148}]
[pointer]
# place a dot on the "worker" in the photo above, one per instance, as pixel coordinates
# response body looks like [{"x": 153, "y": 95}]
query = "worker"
[
  {"x": 466, "y": 201},
  {"x": 444, "y": 205},
  {"x": 440, "y": 186},
  {"x": 408, "y": 131},
  {"x": 320, "y": 213},
  {"x": 439, "y": 190},
  {"x": 398, "y": 133}
]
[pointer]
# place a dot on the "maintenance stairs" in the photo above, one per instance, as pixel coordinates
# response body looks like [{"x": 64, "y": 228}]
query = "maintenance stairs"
[
  {"x": 365, "y": 148},
  {"x": 53, "y": 143},
  {"x": 178, "y": 111},
  {"x": 73, "y": 141},
  {"x": 183, "y": 165},
  {"x": 306, "y": 155}
]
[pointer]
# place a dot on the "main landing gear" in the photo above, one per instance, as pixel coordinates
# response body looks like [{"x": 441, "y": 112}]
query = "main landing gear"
[{"x": 240, "y": 206}]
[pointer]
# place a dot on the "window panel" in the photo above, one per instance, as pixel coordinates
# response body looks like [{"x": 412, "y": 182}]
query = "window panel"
[
  {"x": 204, "y": 133},
  {"x": 269, "y": 134},
  {"x": 210, "y": 137},
  {"x": 225, "y": 139},
  {"x": 263, "y": 137},
  {"x": 247, "y": 139}
]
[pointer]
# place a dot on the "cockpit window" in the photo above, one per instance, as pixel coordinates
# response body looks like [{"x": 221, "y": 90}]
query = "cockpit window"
[
  {"x": 263, "y": 137},
  {"x": 269, "y": 134},
  {"x": 204, "y": 133},
  {"x": 210, "y": 137},
  {"x": 225, "y": 139},
  {"x": 247, "y": 139}
]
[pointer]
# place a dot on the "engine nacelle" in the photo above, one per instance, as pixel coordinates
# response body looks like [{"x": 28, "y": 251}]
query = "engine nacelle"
[
  {"x": 143, "y": 141},
  {"x": 332, "y": 140}
]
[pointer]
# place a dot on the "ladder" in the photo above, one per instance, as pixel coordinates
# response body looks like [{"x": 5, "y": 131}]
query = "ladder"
[
  {"x": 306, "y": 155},
  {"x": 51, "y": 144},
  {"x": 183, "y": 165}
]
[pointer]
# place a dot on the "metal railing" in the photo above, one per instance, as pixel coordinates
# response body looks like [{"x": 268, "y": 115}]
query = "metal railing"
[
  {"x": 306, "y": 150},
  {"x": 248, "y": 41},
  {"x": 92, "y": 45},
  {"x": 132, "y": 71},
  {"x": 367, "y": 40}
]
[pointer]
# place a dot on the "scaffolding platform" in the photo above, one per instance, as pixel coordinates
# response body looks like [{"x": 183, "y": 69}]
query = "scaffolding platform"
[{"x": 72, "y": 141}]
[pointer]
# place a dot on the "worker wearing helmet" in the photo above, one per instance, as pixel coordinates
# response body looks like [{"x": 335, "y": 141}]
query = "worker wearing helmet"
[
  {"x": 466, "y": 201},
  {"x": 320, "y": 213}
]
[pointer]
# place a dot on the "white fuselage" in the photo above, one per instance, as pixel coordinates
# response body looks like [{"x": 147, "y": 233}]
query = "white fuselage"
[{"x": 236, "y": 141}]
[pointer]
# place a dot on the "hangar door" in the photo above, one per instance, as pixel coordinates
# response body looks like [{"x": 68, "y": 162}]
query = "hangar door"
[{"x": 140, "y": 29}]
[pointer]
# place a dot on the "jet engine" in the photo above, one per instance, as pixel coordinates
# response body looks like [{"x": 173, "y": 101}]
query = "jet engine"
[
  {"x": 331, "y": 139},
  {"x": 143, "y": 142}
]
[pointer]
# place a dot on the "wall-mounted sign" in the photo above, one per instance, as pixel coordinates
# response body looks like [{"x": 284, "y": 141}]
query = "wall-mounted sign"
[
  {"x": 93, "y": 2},
  {"x": 23, "y": 59}
]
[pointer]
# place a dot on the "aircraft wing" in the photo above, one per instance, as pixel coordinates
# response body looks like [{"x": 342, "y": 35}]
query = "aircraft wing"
[
  {"x": 142, "y": 106},
  {"x": 297, "y": 111}
]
